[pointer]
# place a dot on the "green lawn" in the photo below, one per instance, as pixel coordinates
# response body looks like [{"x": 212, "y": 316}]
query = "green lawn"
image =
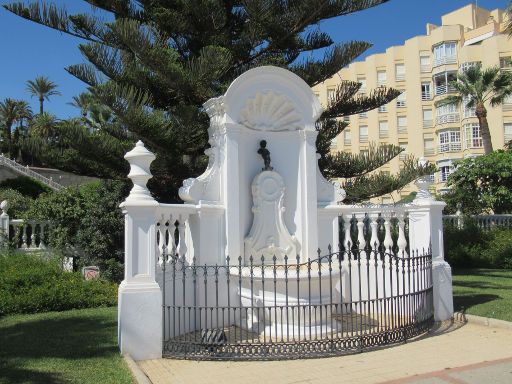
[
  {"x": 78, "y": 346},
  {"x": 484, "y": 292}
]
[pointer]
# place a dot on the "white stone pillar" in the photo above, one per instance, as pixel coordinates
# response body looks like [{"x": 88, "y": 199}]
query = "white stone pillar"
[
  {"x": 426, "y": 230},
  {"x": 140, "y": 298},
  {"x": 4, "y": 223}
]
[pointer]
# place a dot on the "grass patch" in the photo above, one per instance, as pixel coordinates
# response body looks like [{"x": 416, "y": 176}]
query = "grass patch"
[
  {"x": 77, "y": 346},
  {"x": 484, "y": 292}
]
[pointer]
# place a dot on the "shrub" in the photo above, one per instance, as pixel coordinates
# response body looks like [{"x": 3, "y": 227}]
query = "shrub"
[
  {"x": 25, "y": 185},
  {"x": 18, "y": 203},
  {"x": 32, "y": 283},
  {"x": 88, "y": 222},
  {"x": 471, "y": 247}
]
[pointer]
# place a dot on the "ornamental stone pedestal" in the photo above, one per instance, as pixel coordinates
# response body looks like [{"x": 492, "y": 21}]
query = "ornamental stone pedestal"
[{"x": 140, "y": 297}]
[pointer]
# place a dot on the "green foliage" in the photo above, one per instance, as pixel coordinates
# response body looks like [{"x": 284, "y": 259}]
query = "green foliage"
[
  {"x": 472, "y": 247},
  {"x": 30, "y": 283},
  {"x": 18, "y": 203},
  {"x": 154, "y": 63},
  {"x": 88, "y": 223},
  {"x": 25, "y": 185},
  {"x": 482, "y": 184}
]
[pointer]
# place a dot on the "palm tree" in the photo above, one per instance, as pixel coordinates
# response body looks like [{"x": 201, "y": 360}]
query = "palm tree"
[
  {"x": 43, "y": 125},
  {"x": 8, "y": 116},
  {"x": 83, "y": 102},
  {"x": 43, "y": 88},
  {"x": 478, "y": 87},
  {"x": 24, "y": 112}
]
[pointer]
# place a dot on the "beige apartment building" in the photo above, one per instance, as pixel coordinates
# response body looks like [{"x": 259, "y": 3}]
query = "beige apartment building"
[{"x": 423, "y": 68}]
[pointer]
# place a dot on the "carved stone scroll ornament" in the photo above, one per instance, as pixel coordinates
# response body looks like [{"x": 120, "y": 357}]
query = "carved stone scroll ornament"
[{"x": 269, "y": 236}]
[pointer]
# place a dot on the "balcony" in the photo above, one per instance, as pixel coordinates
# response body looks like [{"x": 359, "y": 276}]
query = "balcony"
[
  {"x": 445, "y": 60},
  {"x": 347, "y": 142},
  {"x": 400, "y": 77},
  {"x": 426, "y": 96},
  {"x": 444, "y": 89},
  {"x": 507, "y": 107},
  {"x": 448, "y": 118},
  {"x": 402, "y": 130},
  {"x": 449, "y": 147},
  {"x": 363, "y": 139}
]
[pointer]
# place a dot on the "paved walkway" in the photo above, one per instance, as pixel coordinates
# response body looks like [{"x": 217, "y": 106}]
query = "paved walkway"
[{"x": 467, "y": 354}]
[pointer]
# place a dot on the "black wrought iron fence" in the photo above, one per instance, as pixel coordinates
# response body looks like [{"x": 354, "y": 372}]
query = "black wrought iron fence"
[{"x": 340, "y": 303}]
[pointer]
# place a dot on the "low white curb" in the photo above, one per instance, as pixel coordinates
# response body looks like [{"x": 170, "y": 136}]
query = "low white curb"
[
  {"x": 485, "y": 321},
  {"x": 137, "y": 373}
]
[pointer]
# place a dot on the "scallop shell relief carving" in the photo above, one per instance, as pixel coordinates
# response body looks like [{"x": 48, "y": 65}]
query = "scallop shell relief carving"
[{"x": 270, "y": 111}]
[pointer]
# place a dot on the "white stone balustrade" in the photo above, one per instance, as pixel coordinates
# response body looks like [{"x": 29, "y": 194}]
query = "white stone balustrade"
[{"x": 24, "y": 235}]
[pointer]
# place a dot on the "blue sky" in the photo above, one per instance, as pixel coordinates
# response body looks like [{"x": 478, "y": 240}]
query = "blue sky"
[{"x": 29, "y": 50}]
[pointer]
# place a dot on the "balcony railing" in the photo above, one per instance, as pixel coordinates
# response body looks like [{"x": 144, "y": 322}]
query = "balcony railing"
[
  {"x": 363, "y": 139},
  {"x": 508, "y": 137},
  {"x": 448, "y": 118},
  {"x": 426, "y": 96},
  {"x": 400, "y": 77},
  {"x": 383, "y": 135},
  {"x": 347, "y": 142},
  {"x": 383, "y": 108},
  {"x": 443, "y": 89},
  {"x": 445, "y": 60},
  {"x": 425, "y": 68},
  {"x": 428, "y": 123},
  {"x": 507, "y": 107},
  {"x": 402, "y": 129},
  {"x": 450, "y": 147}
]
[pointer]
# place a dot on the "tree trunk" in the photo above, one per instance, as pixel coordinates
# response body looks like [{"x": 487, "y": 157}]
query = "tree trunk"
[
  {"x": 481, "y": 113},
  {"x": 41, "y": 102}
]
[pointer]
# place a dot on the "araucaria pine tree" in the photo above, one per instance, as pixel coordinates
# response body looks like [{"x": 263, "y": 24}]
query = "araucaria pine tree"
[{"x": 155, "y": 62}]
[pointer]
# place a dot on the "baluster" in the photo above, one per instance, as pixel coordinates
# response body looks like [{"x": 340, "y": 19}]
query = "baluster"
[
  {"x": 24, "y": 244},
  {"x": 182, "y": 247},
  {"x": 402, "y": 241},
  {"x": 171, "y": 238},
  {"x": 42, "y": 227},
  {"x": 32, "y": 234},
  {"x": 388, "y": 241},
  {"x": 361, "y": 242},
  {"x": 346, "y": 226},
  {"x": 161, "y": 240},
  {"x": 374, "y": 240}
]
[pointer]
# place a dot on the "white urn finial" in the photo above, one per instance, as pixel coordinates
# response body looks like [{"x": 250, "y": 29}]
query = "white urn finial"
[
  {"x": 4, "y": 206},
  {"x": 423, "y": 183},
  {"x": 140, "y": 160}
]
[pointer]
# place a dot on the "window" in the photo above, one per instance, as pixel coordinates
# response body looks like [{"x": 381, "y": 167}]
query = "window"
[
  {"x": 425, "y": 63},
  {"x": 506, "y": 62},
  {"x": 428, "y": 147},
  {"x": 363, "y": 133},
  {"x": 346, "y": 119},
  {"x": 401, "y": 100},
  {"x": 403, "y": 154},
  {"x": 428, "y": 118},
  {"x": 447, "y": 113},
  {"x": 381, "y": 78},
  {"x": 347, "y": 137},
  {"x": 443, "y": 82},
  {"x": 401, "y": 122},
  {"x": 449, "y": 141},
  {"x": 383, "y": 108},
  {"x": 507, "y": 128},
  {"x": 363, "y": 115},
  {"x": 468, "y": 112},
  {"x": 473, "y": 135},
  {"x": 383, "y": 129},
  {"x": 445, "y": 53},
  {"x": 362, "y": 81},
  {"x": 399, "y": 72},
  {"x": 445, "y": 172},
  {"x": 334, "y": 143},
  {"x": 426, "y": 91},
  {"x": 468, "y": 64},
  {"x": 331, "y": 92}
]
